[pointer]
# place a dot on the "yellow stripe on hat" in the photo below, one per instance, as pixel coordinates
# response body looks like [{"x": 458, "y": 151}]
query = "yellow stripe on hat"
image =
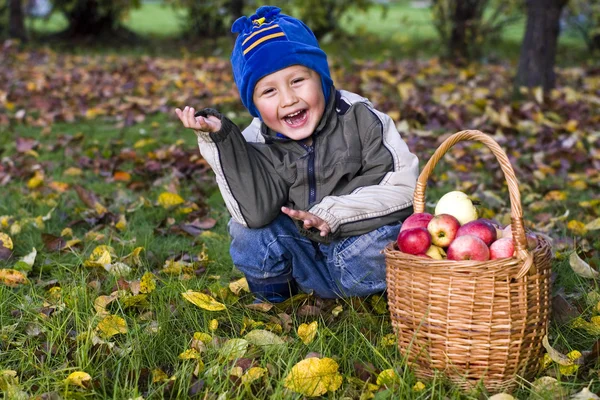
[
  {"x": 260, "y": 31},
  {"x": 263, "y": 39}
]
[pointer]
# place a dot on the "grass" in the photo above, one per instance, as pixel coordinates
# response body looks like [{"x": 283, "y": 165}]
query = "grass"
[{"x": 49, "y": 329}]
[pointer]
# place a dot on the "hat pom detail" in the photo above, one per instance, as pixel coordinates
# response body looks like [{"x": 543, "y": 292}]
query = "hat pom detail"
[
  {"x": 266, "y": 12},
  {"x": 241, "y": 25}
]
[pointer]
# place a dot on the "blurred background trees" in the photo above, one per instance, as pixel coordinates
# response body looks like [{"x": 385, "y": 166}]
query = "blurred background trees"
[{"x": 465, "y": 30}]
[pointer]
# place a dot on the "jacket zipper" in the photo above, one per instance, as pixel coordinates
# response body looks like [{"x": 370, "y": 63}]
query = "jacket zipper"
[{"x": 312, "y": 185}]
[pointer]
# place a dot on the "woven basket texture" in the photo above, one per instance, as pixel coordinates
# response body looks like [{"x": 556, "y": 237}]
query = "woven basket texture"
[{"x": 476, "y": 322}]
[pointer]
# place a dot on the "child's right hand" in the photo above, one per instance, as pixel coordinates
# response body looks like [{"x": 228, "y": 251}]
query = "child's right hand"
[{"x": 210, "y": 124}]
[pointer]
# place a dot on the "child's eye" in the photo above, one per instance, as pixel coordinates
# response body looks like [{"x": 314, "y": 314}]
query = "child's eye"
[
  {"x": 267, "y": 91},
  {"x": 298, "y": 80}
]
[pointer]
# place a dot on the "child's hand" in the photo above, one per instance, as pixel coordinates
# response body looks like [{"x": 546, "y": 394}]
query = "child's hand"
[
  {"x": 210, "y": 124},
  {"x": 310, "y": 220}
]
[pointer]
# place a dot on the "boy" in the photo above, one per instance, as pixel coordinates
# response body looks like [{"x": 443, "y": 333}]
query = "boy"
[{"x": 320, "y": 181}]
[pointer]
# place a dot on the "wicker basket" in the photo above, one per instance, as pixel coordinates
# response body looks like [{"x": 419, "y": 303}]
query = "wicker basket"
[{"x": 477, "y": 322}]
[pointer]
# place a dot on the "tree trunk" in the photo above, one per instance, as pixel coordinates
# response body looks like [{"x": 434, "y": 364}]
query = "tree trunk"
[
  {"x": 16, "y": 22},
  {"x": 236, "y": 8},
  {"x": 538, "y": 51},
  {"x": 86, "y": 20},
  {"x": 465, "y": 21}
]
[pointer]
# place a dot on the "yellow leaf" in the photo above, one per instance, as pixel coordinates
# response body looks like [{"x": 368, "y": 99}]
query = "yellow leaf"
[
  {"x": 388, "y": 377},
  {"x": 213, "y": 325},
  {"x": 307, "y": 332},
  {"x": 388, "y": 340},
  {"x": 138, "y": 300},
  {"x": 72, "y": 171},
  {"x": 577, "y": 227},
  {"x": 314, "y": 377},
  {"x": 168, "y": 200},
  {"x": 203, "y": 301},
  {"x": 593, "y": 225},
  {"x": 134, "y": 256},
  {"x": 190, "y": 354},
  {"x": 67, "y": 232},
  {"x": 36, "y": 180},
  {"x": 79, "y": 378},
  {"x": 8, "y": 377},
  {"x": 158, "y": 375},
  {"x": 12, "y": 277},
  {"x": 148, "y": 283},
  {"x": 253, "y": 374},
  {"x": 121, "y": 224},
  {"x": 570, "y": 369},
  {"x": 237, "y": 286},
  {"x": 102, "y": 301},
  {"x": 419, "y": 386},
  {"x": 112, "y": 325},
  {"x": 555, "y": 195},
  {"x": 100, "y": 209},
  {"x": 143, "y": 142},
  {"x": 100, "y": 256},
  {"x": 203, "y": 337},
  {"x": 59, "y": 187},
  {"x": 6, "y": 241}
]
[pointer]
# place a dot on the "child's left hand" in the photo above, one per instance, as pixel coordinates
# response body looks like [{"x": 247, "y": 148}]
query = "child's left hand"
[{"x": 310, "y": 220}]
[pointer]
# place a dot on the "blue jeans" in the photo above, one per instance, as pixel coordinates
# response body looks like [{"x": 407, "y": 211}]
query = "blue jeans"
[{"x": 278, "y": 254}]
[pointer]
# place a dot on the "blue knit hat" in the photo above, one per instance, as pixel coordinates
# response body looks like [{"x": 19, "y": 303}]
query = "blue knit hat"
[{"x": 268, "y": 42}]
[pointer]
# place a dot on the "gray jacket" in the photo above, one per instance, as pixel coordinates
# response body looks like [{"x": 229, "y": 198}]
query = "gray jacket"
[{"x": 358, "y": 174}]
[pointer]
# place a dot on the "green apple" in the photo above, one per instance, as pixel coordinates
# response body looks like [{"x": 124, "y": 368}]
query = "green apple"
[{"x": 457, "y": 204}]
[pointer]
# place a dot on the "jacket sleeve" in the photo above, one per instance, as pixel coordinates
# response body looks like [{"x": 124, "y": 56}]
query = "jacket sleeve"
[
  {"x": 369, "y": 207},
  {"x": 251, "y": 187}
]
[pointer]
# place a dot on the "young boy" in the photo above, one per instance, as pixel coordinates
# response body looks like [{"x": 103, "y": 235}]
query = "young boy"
[{"x": 320, "y": 181}]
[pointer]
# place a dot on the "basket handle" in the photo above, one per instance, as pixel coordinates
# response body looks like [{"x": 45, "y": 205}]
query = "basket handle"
[{"x": 516, "y": 212}]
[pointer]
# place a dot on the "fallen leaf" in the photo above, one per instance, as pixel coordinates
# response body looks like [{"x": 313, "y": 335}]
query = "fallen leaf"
[
  {"x": 237, "y": 286},
  {"x": 12, "y": 277},
  {"x": 314, "y": 377},
  {"x": 261, "y": 337},
  {"x": 593, "y": 225},
  {"x": 253, "y": 374},
  {"x": 582, "y": 268},
  {"x": 112, "y": 325},
  {"x": 307, "y": 332},
  {"x": 168, "y": 200},
  {"x": 233, "y": 348},
  {"x": 148, "y": 283},
  {"x": 585, "y": 394},
  {"x": 79, "y": 378},
  {"x": 6, "y": 241},
  {"x": 203, "y": 301},
  {"x": 555, "y": 355}
]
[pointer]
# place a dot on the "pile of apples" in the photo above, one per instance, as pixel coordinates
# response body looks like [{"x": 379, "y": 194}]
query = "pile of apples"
[{"x": 456, "y": 233}]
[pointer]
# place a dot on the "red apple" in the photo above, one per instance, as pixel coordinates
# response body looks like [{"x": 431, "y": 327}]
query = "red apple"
[
  {"x": 443, "y": 228},
  {"x": 417, "y": 220},
  {"x": 480, "y": 228},
  {"x": 502, "y": 248},
  {"x": 531, "y": 237},
  {"x": 468, "y": 247},
  {"x": 414, "y": 241}
]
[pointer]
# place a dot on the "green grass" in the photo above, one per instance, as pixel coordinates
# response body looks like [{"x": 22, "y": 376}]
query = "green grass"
[{"x": 46, "y": 334}]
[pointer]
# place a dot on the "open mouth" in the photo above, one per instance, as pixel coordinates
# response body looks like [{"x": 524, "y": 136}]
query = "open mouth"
[{"x": 296, "y": 119}]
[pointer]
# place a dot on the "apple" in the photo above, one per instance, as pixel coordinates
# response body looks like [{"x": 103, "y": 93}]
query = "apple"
[
  {"x": 443, "y": 228},
  {"x": 468, "y": 247},
  {"x": 436, "y": 252},
  {"x": 457, "y": 204},
  {"x": 502, "y": 248},
  {"x": 417, "y": 220},
  {"x": 414, "y": 241},
  {"x": 480, "y": 228},
  {"x": 531, "y": 237}
]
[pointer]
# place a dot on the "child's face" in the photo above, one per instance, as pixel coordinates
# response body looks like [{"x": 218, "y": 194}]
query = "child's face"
[{"x": 290, "y": 101}]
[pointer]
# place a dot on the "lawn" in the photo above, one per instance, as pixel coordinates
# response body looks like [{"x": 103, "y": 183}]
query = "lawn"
[{"x": 121, "y": 285}]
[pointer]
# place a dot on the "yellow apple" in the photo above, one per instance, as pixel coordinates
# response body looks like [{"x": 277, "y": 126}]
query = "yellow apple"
[
  {"x": 436, "y": 252},
  {"x": 457, "y": 204}
]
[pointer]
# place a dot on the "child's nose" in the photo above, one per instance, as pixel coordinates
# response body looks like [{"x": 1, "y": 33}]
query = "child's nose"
[{"x": 288, "y": 97}]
